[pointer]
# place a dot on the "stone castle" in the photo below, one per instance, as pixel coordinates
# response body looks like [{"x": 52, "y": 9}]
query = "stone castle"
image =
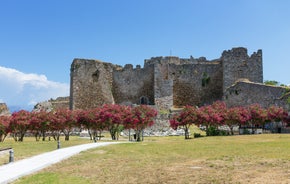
[{"x": 166, "y": 82}]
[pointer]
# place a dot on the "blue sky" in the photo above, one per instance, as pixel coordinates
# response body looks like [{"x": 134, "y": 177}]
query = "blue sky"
[{"x": 39, "y": 39}]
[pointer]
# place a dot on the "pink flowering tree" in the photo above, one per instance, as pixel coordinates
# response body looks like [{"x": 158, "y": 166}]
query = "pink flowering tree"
[
  {"x": 62, "y": 121},
  {"x": 91, "y": 121},
  {"x": 278, "y": 114},
  {"x": 4, "y": 127},
  {"x": 211, "y": 117},
  {"x": 55, "y": 126},
  {"x": 258, "y": 116},
  {"x": 39, "y": 124},
  {"x": 141, "y": 117},
  {"x": 65, "y": 121},
  {"x": 236, "y": 116},
  {"x": 112, "y": 116},
  {"x": 185, "y": 119},
  {"x": 85, "y": 119},
  {"x": 19, "y": 124}
]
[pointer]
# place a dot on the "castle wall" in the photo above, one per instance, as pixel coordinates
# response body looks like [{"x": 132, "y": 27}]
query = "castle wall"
[
  {"x": 179, "y": 82},
  {"x": 196, "y": 84},
  {"x": 238, "y": 64},
  {"x": 52, "y": 104},
  {"x": 133, "y": 86},
  {"x": 247, "y": 93},
  {"x": 60, "y": 103},
  {"x": 91, "y": 83}
]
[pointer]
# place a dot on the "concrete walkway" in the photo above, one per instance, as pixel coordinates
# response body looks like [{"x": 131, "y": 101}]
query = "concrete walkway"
[{"x": 15, "y": 170}]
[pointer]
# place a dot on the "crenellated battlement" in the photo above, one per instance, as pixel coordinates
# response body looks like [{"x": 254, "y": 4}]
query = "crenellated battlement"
[
  {"x": 178, "y": 61},
  {"x": 240, "y": 53}
]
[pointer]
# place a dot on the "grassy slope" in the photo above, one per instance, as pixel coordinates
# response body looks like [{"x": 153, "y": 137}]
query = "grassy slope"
[{"x": 232, "y": 159}]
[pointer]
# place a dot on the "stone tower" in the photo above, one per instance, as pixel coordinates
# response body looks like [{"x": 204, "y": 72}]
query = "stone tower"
[
  {"x": 91, "y": 83},
  {"x": 237, "y": 64}
]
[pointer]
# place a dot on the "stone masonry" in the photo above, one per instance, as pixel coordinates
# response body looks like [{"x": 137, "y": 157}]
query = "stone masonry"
[
  {"x": 52, "y": 104},
  {"x": 4, "y": 111},
  {"x": 244, "y": 93},
  {"x": 174, "y": 82}
]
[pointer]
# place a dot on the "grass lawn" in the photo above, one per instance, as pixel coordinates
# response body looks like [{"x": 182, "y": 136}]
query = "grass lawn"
[
  {"x": 231, "y": 159},
  {"x": 30, "y": 147}
]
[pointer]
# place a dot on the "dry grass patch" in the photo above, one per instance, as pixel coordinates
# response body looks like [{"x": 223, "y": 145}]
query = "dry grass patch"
[{"x": 235, "y": 159}]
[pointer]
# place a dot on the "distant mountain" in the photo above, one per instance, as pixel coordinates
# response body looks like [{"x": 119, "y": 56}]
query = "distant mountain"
[{"x": 14, "y": 108}]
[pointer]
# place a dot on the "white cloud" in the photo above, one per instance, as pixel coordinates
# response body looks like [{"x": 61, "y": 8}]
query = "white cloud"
[{"x": 22, "y": 89}]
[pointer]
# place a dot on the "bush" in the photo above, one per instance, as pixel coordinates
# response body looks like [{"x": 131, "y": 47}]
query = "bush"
[
  {"x": 214, "y": 131},
  {"x": 196, "y": 135}
]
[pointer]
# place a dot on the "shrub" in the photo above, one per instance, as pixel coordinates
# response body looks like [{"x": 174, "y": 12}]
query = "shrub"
[{"x": 196, "y": 135}]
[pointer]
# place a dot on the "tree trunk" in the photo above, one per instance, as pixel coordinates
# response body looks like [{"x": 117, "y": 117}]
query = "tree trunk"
[
  {"x": 21, "y": 137},
  {"x": 36, "y": 135},
  {"x": 66, "y": 138},
  {"x": 186, "y": 133},
  {"x": 113, "y": 134},
  {"x": 232, "y": 130},
  {"x": 90, "y": 134},
  {"x": 43, "y": 135},
  {"x": 138, "y": 135}
]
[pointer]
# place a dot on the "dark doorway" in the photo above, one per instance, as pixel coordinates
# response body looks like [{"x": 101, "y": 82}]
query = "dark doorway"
[{"x": 144, "y": 100}]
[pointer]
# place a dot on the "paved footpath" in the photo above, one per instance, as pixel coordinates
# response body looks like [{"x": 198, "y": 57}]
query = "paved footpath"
[{"x": 15, "y": 170}]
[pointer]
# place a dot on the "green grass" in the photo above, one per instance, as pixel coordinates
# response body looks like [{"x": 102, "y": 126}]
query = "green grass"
[
  {"x": 30, "y": 147},
  {"x": 229, "y": 159}
]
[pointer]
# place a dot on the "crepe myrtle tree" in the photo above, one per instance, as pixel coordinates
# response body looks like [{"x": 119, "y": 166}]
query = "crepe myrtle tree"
[
  {"x": 91, "y": 121},
  {"x": 211, "y": 117},
  {"x": 85, "y": 119},
  {"x": 112, "y": 115},
  {"x": 19, "y": 124},
  {"x": 39, "y": 124},
  {"x": 278, "y": 114},
  {"x": 4, "y": 127},
  {"x": 140, "y": 118},
  {"x": 185, "y": 119},
  {"x": 55, "y": 126},
  {"x": 258, "y": 116},
  {"x": 64, "y": 120},
  {"x": 98, "y": 126},
  {"x": 236, "y": 116}
]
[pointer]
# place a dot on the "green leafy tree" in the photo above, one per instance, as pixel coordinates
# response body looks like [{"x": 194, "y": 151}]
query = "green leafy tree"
[{"x": 271, "y": 82}]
